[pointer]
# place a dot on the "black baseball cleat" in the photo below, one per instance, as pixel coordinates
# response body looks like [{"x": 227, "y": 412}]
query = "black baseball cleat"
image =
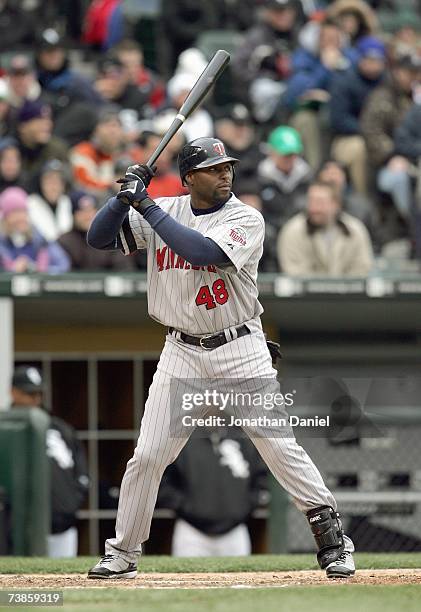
[
  {"x": 343, "y": 567},
  {"x": 112, "y": 566}
]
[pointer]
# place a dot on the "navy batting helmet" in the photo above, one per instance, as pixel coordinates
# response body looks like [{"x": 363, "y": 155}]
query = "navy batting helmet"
[{"x": 202, "y": 153}]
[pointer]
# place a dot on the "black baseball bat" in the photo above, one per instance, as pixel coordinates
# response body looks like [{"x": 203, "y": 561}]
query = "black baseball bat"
[{"x": 204, "y": 83}]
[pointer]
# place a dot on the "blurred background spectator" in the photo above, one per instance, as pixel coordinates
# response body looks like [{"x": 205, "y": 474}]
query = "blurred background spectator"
[
  {"x": 181, "y": 23},
  {"x": 323, "y": 240},
  {"x": 103, "y": 24},
  {"x": 307, "y": 90},
  {"x": 352, "y": 202},
  {"x": 84, "y": 207},
  {"x": 11, "y": 174},
  {"x": 382, "y": 115},
  {"x": 342, "y": 74},
  {"x": 50, "y": 208},
  {"x": 237, "y": 131},
  {"x": 62, "y": 84},
  {"x": 407, "y": 191},
  {"x": 22, "y": 248},
  {"x": 348, "y": 92},
  {"x": 284, "y": 177},
  {"x": 4, "y": 109},
  {"x": 93, "y": 160},
  {"x": 16, "y": 28},
  {"x": 356, "y": 18},
  {"x": 36, "y": 142},
  {"x": 249, "y": 192},
  {"x": 21, "y": 82},
  {"x": 114, "y": 85},
  {"x": 262, "y": 64},
  {"x": 130, "y": 54}
]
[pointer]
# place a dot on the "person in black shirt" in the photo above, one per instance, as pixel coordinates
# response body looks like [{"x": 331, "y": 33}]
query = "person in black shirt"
[
  {"x": 212, "y": 512},
  {"x": 69, "y": 472}
]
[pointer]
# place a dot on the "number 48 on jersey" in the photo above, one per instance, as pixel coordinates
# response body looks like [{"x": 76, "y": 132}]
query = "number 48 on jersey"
[{"x": 211, "y": 296}]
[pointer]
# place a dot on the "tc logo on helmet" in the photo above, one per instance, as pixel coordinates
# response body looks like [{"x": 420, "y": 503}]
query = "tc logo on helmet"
[{"x": 219, "y": 148}]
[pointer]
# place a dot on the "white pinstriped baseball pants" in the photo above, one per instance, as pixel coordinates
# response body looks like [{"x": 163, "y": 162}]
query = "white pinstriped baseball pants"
[{"x": 246, "y": 357}]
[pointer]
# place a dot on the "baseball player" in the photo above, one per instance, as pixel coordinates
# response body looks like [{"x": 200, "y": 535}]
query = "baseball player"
[{"x": 203, "y": 252}]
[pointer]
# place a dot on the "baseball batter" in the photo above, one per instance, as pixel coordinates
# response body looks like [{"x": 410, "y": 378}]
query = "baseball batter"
[{"x": 203, "y": 252}]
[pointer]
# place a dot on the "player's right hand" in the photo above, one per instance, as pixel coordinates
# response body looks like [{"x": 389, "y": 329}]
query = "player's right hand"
[{"x": 142, "y": 171}]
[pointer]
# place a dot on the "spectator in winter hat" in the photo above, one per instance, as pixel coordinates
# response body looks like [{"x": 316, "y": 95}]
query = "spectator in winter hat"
[
  {"x": 36, "y": 142},
  {"x": 21, "y": 81},
  {"x": 22, "y": 248},
  {"x": 114, "y": 84},
  {"x": 284, "y": 176},
  {"x": 355, "y": 17},
  {"x": 55, "y": 74},
  {"x": 237, "y": 131}
]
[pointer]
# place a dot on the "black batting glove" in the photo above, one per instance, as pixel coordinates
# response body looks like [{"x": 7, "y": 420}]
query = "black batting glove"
[
  {"x": 274, "y": 350},
  {"x": 142, "y": 171},
  {"x": 132, "y": 190}
]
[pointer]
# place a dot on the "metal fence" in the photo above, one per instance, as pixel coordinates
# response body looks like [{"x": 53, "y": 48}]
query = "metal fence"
[{"x": 374, "y": 471}]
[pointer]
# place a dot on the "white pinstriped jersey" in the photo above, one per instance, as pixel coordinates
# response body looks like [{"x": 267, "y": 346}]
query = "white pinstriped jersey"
[{"x": 201, "y": 299}]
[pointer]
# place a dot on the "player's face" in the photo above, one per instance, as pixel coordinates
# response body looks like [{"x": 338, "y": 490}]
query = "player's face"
[{"x": 211, "y": 185}]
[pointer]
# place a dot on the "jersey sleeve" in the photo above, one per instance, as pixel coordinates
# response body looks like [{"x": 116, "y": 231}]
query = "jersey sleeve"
[
  {"x": 134, "y": 233},
  {"x": 239, "y": 236}
]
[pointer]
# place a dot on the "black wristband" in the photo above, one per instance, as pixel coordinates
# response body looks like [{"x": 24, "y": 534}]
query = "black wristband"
[{"x": 142, "y": 206}]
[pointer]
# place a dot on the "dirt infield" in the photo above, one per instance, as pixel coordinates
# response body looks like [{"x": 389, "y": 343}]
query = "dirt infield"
[{"x": 209, "y": 580}]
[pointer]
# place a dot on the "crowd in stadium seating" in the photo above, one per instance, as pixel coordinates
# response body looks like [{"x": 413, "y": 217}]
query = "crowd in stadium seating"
[{"x": 321, "y": 103}]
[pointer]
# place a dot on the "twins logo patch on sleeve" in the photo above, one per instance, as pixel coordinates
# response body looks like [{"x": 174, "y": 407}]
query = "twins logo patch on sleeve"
[{"x": 238, "y": 235}]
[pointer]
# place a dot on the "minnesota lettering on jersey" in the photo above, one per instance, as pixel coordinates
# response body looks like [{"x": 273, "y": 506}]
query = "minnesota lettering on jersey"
[
  {"x": 166, "y": 259},
  {"x": 204, "y": 299}
]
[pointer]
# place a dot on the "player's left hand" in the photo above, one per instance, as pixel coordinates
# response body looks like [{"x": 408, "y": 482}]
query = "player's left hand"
[
  {"x": 274, "y": 350},
  {"x": 132, "y": 190}
]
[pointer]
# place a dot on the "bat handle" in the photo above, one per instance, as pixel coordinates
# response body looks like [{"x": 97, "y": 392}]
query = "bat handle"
[{"x": 174, "y": 127}]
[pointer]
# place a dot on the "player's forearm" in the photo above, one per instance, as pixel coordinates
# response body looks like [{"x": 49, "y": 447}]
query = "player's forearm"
[
  {"x": 190, "y": 244},
  {"x": 106, "y": 225}
]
